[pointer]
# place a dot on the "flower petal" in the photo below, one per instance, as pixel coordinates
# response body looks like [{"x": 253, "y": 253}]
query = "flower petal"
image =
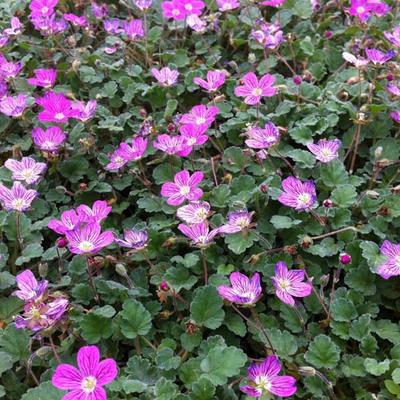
[
  {"x": 88, "y": 360},
  {"x": 66, "y": 377}
]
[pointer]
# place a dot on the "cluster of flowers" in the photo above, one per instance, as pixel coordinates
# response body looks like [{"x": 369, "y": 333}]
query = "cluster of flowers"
[
  {"x": 14, "y": 30},
  {"x": 42, "y": 310},
  {"x": 364, "y": 9}
]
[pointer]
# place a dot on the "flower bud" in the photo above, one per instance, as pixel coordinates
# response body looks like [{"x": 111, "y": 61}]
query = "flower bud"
[
  {"x": 378, "y": 152},
  {"x": 252, "y": 58},
  {"x": 396, "y": 189},
  {"x": 327, "y": 203},
  {"x": 83, "y": 186},
  {"x": 324, "y": 280},
  {"x": 328, "y": 34},
  {"x": 390, "y": 77},
  {"x": 164, "y": 286},
  {"x": 297, "y": 80},
  {"x": 43, "y": 351},
  {"x": 306, "y": 242},
  {"x": 171, "y": 127},
  {"x": 372, "y": 194},
  {"x": 307, "y": 371},
  {"x": 143, "y": 113},
  {"x": 62, "y": 242},
  {"x": 345, "y": 258},
  {"x": 264, "y": 188},
  {"x": 121, "y": 270},
  {"x": 43, "y": 269}
]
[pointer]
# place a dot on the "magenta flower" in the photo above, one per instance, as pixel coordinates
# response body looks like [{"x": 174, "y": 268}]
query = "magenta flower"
[
  {"x": 86, "y": 383},
  {"x": 201, "y": 116},
  {"x": 379, "y": 57},
  {"x": 395, "y": 115},
  {"x": 134, "y": 29},
  {"x": 379, "y": 8},
  {"x": 183, "y": 188},
  {"x": 4, "y": 40},
  {"x": 18, "y": 198},
  {"x": 237, "y": 221},
  {"x": 195, "y": 212},
  {"x": 273, "y": 3},
  {"x": 3, "y": 89},
  {"x": 259, "y": 138},
  {"x": 393, "y": 89},
  {"x": 227, "y": 5},
  {"x": 194, "y": 22},
  {"x": 76, "y": 20},
  {"x": 15, "y": 27},
  {"x": 243, "y": 290},
  {"x": 42, "y": 8},
  {"x": 360, "y": 9},
  {"x": 200, "y": 234},
  {"x": 49, "y": 26},
  {"x": 165, "y": 76},
  {"x": 264, "y": 380},
  {"x": 173, "y": 9},
  {"x": 29, "y": 288},
  {"x": 97, "y": 213},
  {"x": 26, "y": 170},
  {"x": 215, "y": 79},
  {"x": 391, "y": 266},
  {"x": 193, "y": 134},
  {"x": 358, "y": 62},
  {"x": 268, "y": 35},
  {"x": 113, "y": 25},
  {"x": 88, "y": 239},
  {"x": 13, "y": 106},
  {"x": 40, "y": 316},
  {"x": 99, "y": 10},
  {"x": 289, "y": 284},
  {"x": 57, "y": 108},
  {"x": 192, "y": 6},
  {"x": 84, "y": 112},
  {"x": 298, "y": 195},
  {"x": 143, "y": 5},
  {"x": 325, "y": 150},
  {"x": 253, "y": 90},
  {"x": 394, "y": 37},
  {"x": 172, "y": 145},
  {"x": 68, "y": 222},
  {"x": 43, "y": 78},
  {"x": 135, "y": 239},
  {"x": 9, "y": 70},
  {"x": 49, "y": 140},
  {"x": 125, "y": 153}
]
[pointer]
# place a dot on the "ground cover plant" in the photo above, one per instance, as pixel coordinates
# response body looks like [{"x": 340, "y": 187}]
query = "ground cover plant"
[{"x": 199, "y": 199}]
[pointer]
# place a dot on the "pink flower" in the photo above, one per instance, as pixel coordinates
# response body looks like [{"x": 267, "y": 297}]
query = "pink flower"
[
  {"x": 243, "y": 291},
  {"x": 192, "y": 6},
  {"x": 49, "y": 140},
  {"x": 84, "y": 112},
  {"x": 253, "y": 89},
  {"x": 18, "y": 198},
  {"x": 259, "y": 138},
  {"x": 9, "y": 70},
  {"x": 265, "y": 380},
  {"x": 200, "y": 116},
  {"x": 391, "y": 266},
  {"x": 325, "y": 150},
  {"x": 173, "y": 9},
  {"x": 298, "y": 195},
  {"x": 97, "y": 213},
  {"x": 29, "y": 288},
  {"x": 360, "y": 9},
  {"x": 237, "y": 221},
  {"x": 42, "y": 8},
  {"x": 113, "y": 25},
  {"x": 379, "y": 57},
  {"x": 57, "y": 108},
  {"x": 88, "y": 239},
  {"x": 26, "y": 170},
  {"x": 195, "y": 212},
  {"x": 183, "y": 188},
  {"x": 200, "y": 234},
  {"x": 134, "y": 239},
  {"x": 86, "y": 383},
  {"x": 196, "y": 23},
  {"x": 273, "y": 3},
  {"x": 394, "y": 37},
  {"x": 395, "y": 115},
  {"x": 15, "y": 27},
  {"x": 379, "y": 8},
  {"x": 125, "y": 153},
  {"x": 76, "y": 20},
  {"x": 193, "y": 134},
  {"x": 49, "y": 25},
  {"x": 215, "y": 79},
  {"x": 134, "y": 29},
  {"x": 143, "y": 5},
  {"x": 393, "y": 89},
  {"x": 44, "y": 78},
  {"x": 13, "y": 106},
  {"x": 3, "y": 89},
  {"x": 68, "y": 222},
  {"x": 99, "y": 10},
  {"x": 165, "y": 76},
  {"x": 227, "y": 5},
  {"x": 289, "y": 284},
  {"x": 358, "y": 62},
  {"x": 268, "y": 35},
  {"x": 172, "y": 145}
]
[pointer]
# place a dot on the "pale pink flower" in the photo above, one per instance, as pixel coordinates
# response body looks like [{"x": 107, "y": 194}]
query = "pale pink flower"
[
  {"x": 165, "y": 76},
  {"x": 215, "y": 79}
]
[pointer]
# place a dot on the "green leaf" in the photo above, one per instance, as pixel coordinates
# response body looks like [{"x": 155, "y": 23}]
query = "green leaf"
[
  {"x": 45, "y": 391},
  {"x": 344, "y": 196},
  {"x": 343, "y": 310},
  {"x": 167, "y": 360},
  {"x": 15, "y": 342},
  {"x": 94, "y": 328},
  {"x": 203, "y": 389},
  {"x": 322, "y": 352},
  {"x": 32, "y": 250},
  {"x": 235, "y": 324},
  {"x": 74, "y": 168},
  {"x": 165, "y": 390},
  {"x": 222, "y": 363},
  {"x": 238, "y": 243},
  {"x": 283, "y": 222},
  {"x": 180, "y": 278},
  {"x": 360, "y": 328},
  {"x": 206, "y": 308},
  {"x": 136, "y": 320},
  {"x": 170, "y": 108},
  {"x": 333, "y": 174},
  {"x": 284, "y": 343},
  {"x": 6, "y": 280},
  {"x": 396, "y": 375},
  {"x": 133, "y": 386},
  {"x": 6, "y": 362},
  {"x": 301, "y": 135},
  {"x": 376, "y": 368},
  {"x": 392, "y": 387}
]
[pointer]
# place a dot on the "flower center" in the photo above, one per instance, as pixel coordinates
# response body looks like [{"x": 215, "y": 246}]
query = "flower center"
[
  {"x": 44, "y": 10},
  {"x": 59, "y": 116},
  {"x": 119, "y": 161},
  {"x": 189, "y": 7},
  {"x": 326, "y": 152},
  {"x": 85, "y": 246},
  {"x": 184, "y": 190},
  {"x": 242, "y": 222},
  {"x": 47, "y": 145},
  {"x": 201, "y": 213},
  {"x": 263, "y": 383},
  {"x": 200, "y": 120},
  {"x": 35, "y": 313},
  {"x": 191, "y": 141},
  {"x": 18, "y": 204},
  {"x": 304, "y": 198},
  {"x": 89, "y": 384},
  {"x": 284, "y": 284},
  {"x": 27, "y": 174},
  {"x": 256, "y": 92},
  {"x": 175, "y": 12},
  {"x": 202, "y": 239},
  {"x": 360, "y": 9}
]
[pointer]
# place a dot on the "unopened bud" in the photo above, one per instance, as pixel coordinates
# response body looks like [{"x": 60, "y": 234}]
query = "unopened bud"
[
  {"x": 143, "y": 112},
  {"x": 264, "y": 188},
  {"x": 297, "y": 80},
  {"x": 327, "y": 203},
  {"x": 76, "y": 64},
  {"x": 378, "y": 152},
  {"x": 390, "y": 77},
  {"x": 292, "y": 250},
  {"x": 43, "y": 351},
  {"x": 43, "y": 269},
  {"x": 164, "y": 286},
  {"x": 324, "y": 280},
  {"x": 396, "y": 189},
  {"x": 252, "y": 58},
  {"x": 219, "y": 99},
  {"x": 345, "y": 258},
  {"x": 62, "y": 242},
  {"x": 171, "y": 127},
  {"x": 121, "y": 270},
  {"x": 307, "y": 371},
  {"x": 328, "y": 34},
  {"x": 306, "y": 242},
  {"x": 83, "y": 186},
  {"x": 372, "y": 194}
]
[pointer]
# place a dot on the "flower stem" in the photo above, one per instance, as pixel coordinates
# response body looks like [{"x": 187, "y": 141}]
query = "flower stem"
[
  {"x": 205, "y": 268},
  {"x": 91, "y": 282},
  {"x": 53, "y": 348},
  {"x": 18, "y": 229}
]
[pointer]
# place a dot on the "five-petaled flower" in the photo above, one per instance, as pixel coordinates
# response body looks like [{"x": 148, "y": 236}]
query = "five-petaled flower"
[
  {"x": 27, "y": 170},
  {"x": 325, "y": 150},
  {"x": 18, "y": 198},
  {"x": 253, "y": 90},
  {"x": 391, "y": 266},
  {"x": 297, "y": 194}
]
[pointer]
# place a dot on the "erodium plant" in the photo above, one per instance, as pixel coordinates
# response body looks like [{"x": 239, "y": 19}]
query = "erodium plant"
[{"x": 199, "y": 200}]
